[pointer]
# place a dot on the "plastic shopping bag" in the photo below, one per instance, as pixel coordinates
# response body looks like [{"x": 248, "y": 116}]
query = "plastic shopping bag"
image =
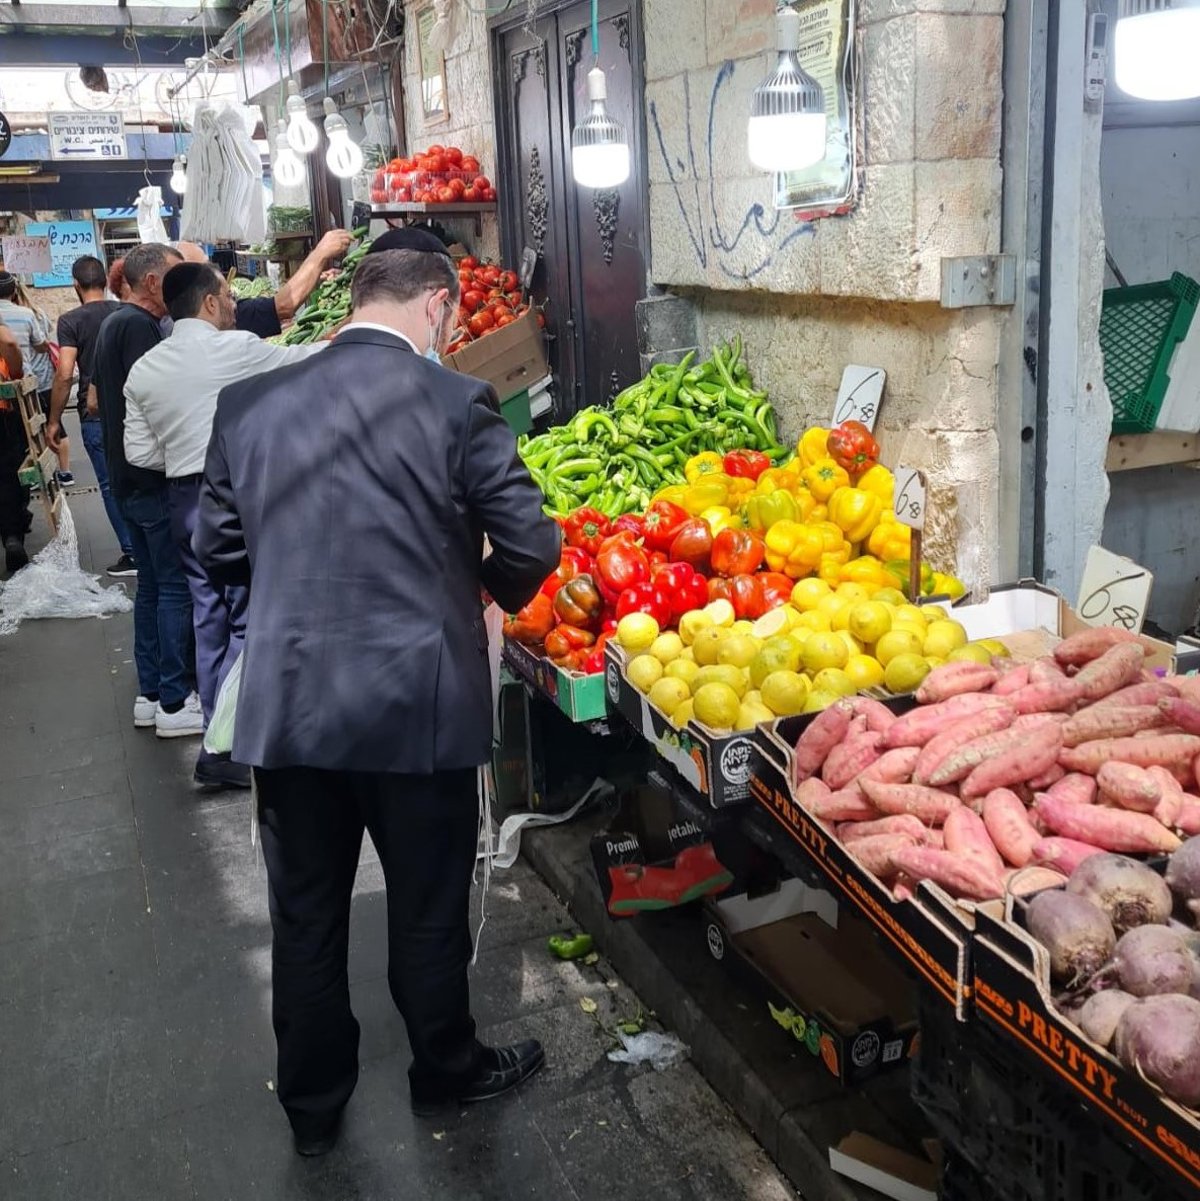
[{"x": 218, "y": 738}]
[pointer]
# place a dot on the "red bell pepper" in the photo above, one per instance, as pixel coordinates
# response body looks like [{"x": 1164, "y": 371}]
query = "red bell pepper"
[
  {"x": 586, "y": 528},
  {"x": 737, "y": 552},
  {"x": 853, "y": 447},
  {"x": 620, "y": 564},
  {"x": 693, "y": 544},
  {"x": 564, "y": 639},
  {"x": 685, "y": 587},
  {"x": 645, "y": 598},
  {"x": 745, "y": 464},
  {"x": 578, "y": 602},
  {"x": 532, "y": 623},
  {"x": 593, "y": 665},
  {"x": 776, "y": 589},
  {"x": 631, "y": 522},
  {"x": 743, "y": 592},
  {"x": 657, "y": 559},
  {"x": 575, "y": 561},
  {"x": 663, "y": 521}
]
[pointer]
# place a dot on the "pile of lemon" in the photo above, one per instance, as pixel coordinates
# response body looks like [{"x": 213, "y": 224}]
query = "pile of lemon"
[{"x": 825, "y": 644}]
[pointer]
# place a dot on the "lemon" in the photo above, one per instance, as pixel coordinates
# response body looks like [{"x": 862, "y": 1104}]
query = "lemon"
[
  {"x": 995, "y": 647},
  {"x": 853, "y": 646},
  {"x": 813, "y": 621},
  {"x": 682, "y": 714},
  {"x": 690, "y": 624},
  {"x": 853, "y": 592},
  {"x": 834, "y": 680},
  {"x": 636, "y": 632},
  {"x": 934, "y": 613},
  {"x": 819, "y": 700},
  {"x": 897, "y": 642},
  {"x": 716, "y": 706},
  {"x": 753, "y": 697},
  {"x": 683, "y": 669},
  {"x": 784, "y": 692},
  {"x": 751, "y": 715},
  {"x": 863, "y": 672},
  {"x": 774, "y": 657},
  {"x": 829, "y": 605},
  {"x": 942, "y": 637},
  {"x": 934, "y": 661},
  {"x": 909, "y": 613},
  {"x": 770, "y": 624},
  {"x": 668, "y": 694},
  {"x": 971, "y": 653},
  {"x": 794, "y": 616},
  {"x": 825, "y": 650},
  {"x": 736, "y": 678},
  {"x": 738, "y": 649},
  {"x": 644, "y": 672},
  {"x": 707, "y": 644},
  {"x": 742, "y": 626},
  {"x": 841, "y": 619},
  {"x": 667, "y": 647},
  {"x": 890, "y": 596},
  {"x": 869, "y": 621},
  {"x": 688, "y": 654},
  {"x": 720, "y": 612},
  {"x": 808, "y": 593},
  {"x": 905, "y": 672}
]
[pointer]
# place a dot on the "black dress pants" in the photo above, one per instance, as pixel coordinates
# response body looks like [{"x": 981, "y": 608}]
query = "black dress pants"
[
  {"x": 14, "y": 497},
  {"x": 425, "y": 830}
]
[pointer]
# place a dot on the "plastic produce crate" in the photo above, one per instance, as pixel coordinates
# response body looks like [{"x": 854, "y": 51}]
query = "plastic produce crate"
[{"x": 1140, "y": 329}]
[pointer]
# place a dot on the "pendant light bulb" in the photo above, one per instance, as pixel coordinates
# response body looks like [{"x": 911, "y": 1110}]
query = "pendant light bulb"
[
  {"x": 787, "y": 127},
  {"x": 179, "y": 175},
  {"x": 302, "y": 134},
  {"x": 287, "y": 168},
  {"x": 1156, "y": 49},
  {"x": 343, "y": 158},
  {"x": 599, "y": 147}
]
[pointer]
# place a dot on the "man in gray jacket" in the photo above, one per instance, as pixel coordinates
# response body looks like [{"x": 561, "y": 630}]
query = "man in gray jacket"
[{"x": 356, "y": 490}]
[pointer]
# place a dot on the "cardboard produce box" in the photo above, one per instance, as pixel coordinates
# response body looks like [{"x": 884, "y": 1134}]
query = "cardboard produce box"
[
  {"x": 579, "y": 696},
  {"x": 511, "y": 359}
]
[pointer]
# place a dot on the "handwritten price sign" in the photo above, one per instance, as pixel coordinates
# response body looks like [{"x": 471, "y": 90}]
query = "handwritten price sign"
[
  {"x": 1115, "y": 591},
  {"x": 67, "y": 241},
  {"x": 25, "y": 255},
  {"x": 860, "y": 395},
  {"x": 908, "y": 497}
]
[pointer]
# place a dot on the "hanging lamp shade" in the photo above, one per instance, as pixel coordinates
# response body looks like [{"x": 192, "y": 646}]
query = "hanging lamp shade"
[
  {"x": 287, "y": 167},
  {"x": 1156, "y": 49},
  {"x": 787, "y": 126},
  {"x": 599, "y": 145},
  {"x": 344, "y": 158}
]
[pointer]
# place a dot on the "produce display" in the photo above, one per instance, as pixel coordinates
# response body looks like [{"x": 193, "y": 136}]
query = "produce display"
[
  {"x": 1003, "y": 766},
  {"x": 289, "y": 219},
  {"x": 251, "y": 289},
  {"x": 441, "y": 175},
  {"x": 329, "y": 305},
  {"x": 490, "y": 298}
]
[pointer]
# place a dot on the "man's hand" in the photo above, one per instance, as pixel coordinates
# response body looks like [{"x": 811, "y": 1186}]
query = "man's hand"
[
  {"x": 333, "y": 245},
  {"x": 93, "y": 401},
  {"x": 54, "y": 432}
]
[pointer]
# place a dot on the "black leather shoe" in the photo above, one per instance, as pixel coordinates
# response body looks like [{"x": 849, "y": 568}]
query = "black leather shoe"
[
  {"x": 314, "y": 1138},
  {"x": 15, "y": 554},
  {"x": 214, "y": 772},
  {"x": 501, "y": 1069}
]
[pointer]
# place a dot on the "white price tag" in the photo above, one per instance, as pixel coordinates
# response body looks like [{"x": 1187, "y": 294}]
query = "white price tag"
[
  {"x": 860, "y": 395},
  {"x": 908, "y": 497},
  {"x": 1115, "y": 591}
]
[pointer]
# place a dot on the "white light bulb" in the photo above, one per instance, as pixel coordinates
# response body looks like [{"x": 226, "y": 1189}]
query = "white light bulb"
[
  {"x": 179, "y": 175},
  {"x": 343, "y": 157},
  {"x": 599, "y": 147},
  {"x": 786, "y": 142},
  {"x": 287, "y": 168},
  {"x": 1158, "y": 54},
  {"x": 302, "y": 134}
]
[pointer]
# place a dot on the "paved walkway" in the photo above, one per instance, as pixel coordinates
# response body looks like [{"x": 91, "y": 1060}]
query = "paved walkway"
[{"x": 136, "y": 1055}]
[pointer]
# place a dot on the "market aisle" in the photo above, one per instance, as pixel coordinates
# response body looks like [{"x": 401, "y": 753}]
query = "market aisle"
[{"x": 135, "y": 1042}]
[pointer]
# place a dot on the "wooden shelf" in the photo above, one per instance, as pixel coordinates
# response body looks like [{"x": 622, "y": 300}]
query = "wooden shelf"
[
  {"x": 414, "y": 209},
  {"x": 1163, "y": 448}
]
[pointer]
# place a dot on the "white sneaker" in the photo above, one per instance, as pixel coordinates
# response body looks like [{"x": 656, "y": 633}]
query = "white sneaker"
[
  {"x": 189, "y": 721},
  {"x": 143, "y": 712}
]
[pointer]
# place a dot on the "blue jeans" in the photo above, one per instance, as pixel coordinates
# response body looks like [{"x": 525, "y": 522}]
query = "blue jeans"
[
  {"x": 93, "y": 442},
  {"x": 162, "y": 609}
]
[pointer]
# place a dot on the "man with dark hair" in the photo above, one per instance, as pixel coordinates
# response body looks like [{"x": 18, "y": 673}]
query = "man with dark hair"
[
  {"x": 162, "y": 611},
  {"x": 77, "y": 331},
  {"x": 168, "y": 427},
  {"x": 356, "y": 491}
]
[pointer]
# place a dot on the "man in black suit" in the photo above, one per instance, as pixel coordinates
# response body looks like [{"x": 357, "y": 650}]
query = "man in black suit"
[{"x": 355, "y": 490}]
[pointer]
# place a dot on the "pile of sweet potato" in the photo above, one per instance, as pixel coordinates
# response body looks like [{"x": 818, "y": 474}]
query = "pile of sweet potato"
[{"x": 1003, "y": 767}]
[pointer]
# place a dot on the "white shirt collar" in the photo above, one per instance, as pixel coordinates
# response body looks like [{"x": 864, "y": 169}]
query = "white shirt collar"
[{"x": 383, "y": 329}]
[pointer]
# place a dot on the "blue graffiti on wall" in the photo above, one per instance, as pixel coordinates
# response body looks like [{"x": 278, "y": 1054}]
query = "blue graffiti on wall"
[{"x": 767, "y": 236}]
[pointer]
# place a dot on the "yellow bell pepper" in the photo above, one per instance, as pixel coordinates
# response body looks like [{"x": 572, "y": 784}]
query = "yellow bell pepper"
[
  {"x": 811, "y": 446},
  {"x": 763, "y": 511},
  {"x": 807, "y": 508},
  {"x": 705, "y": 494},
  {"x": 867, "y": 570},
  {"x": 706, "y": 463},
  {"x": 889, "y": 539},
  {"x": 824, "y": 478},
  {"x": 721, "y": 517},
  {"x": 855, "y": 512},
  {"x": 739, "y": 488},
  {"x": 817, "y": 513},
  {"x": 793, "y": 548},
  {"x": 948, "y": 585},
  {"x": 880, "y": 482},
  {"x": 832, "y": 537},
  {"x": 776, "y": 479},
  {"x": 830, "y": 566},
  {"x": 672, "y": 492},
  {"x": 899, "y": 569}
]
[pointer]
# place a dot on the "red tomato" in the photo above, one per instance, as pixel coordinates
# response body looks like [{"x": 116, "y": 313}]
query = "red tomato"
[
  {"x": 436, "y": 149},
  {"x": 516, "y": 299},
  {"x": 468, "y": 262},
  {"x": 378, "y": 196},
  {"x": 498, "y": 309},
  {"x": 469, "y": 163},
  {"x": 458, "y": 188},
  {"x": 481, "y": 322},
  {"x": 490, "y": 195},
  {"x": 453, "y": 155},
  {"x": 472, "y": 300},
  {"x": 403, "y": 195},
  {"x": 482, "y": 183},
  {"x": 470, "y": 196},
  {"x": 435, "y": 164},
  {"x": 420, "y": 179},
  {"x": 396, "y": 165},
  {"x": 509, "y": 281},
  {"x": 504, "y": 319},
  {"x": 490, "y": 276},
  {"x": 446, "y": 196},
  {"x": 465, "y": 278}
]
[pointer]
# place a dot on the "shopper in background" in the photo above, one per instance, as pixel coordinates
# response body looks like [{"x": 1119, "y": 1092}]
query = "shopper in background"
[
  {"x": 356, "y": 490},
  {"x": 168, "y": 427},
  {"x": 116, "y": 280},
  {"x": 162, "y": 613},
  {"x": 31, "y": 327},
  {"x": 15, "y": 517},
  {"x": 77, "y": 331},
  {"x": 264, "y": 315}
]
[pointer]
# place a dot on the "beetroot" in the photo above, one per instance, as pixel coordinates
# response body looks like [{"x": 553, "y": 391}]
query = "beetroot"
[
  {"x": 1101, "y": 1012},
  {"x": 1183, "y": 875},
  {"x": 1160, "y": 1038},
  {"x": 1131, "y": 893},
  {"x": 1077, "y": 934},
  {"x": 1153, "y": 960}
]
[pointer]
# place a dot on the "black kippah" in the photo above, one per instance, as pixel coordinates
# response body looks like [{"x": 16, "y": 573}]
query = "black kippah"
[{"x": 409, "y": 239}]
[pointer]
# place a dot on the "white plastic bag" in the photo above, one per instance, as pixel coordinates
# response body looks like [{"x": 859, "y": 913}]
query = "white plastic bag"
[
  {"x": 218, "y": 738},
  {"x": 660, "y": 1051},
  {"x": 149, "y": 215}
]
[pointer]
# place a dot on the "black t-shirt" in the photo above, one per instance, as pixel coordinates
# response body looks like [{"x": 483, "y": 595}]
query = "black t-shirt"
[
  {"x": 258, "y": 316},
  {"x": 78, "y": 329},
  {"x": 124, "y": 337}
]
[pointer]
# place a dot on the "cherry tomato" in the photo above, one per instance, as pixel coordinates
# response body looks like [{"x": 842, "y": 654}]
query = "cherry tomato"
[
  {"x": 509, "y": 281},
  {"x": 472, "y": 300},
  {"x": 504, "y": 319}
]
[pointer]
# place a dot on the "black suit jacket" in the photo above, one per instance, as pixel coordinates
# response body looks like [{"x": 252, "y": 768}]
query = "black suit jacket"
[{"x": 356, "y": 489}]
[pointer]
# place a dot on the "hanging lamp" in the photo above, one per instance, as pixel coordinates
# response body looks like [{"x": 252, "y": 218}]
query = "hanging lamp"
[
  {"x": 599, "y": 145},
  {"x": 1156, "y": 49},
  {"x": 302, "y": 134},
  {"x": 287, "y": 168},
  {"x": 179, "y": 174},
  {"x": 787, "y": 115},
  {"x": 344, "y": 158}
]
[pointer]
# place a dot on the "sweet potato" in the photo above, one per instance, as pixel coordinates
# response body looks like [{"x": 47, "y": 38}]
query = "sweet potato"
[
  {"x": 1188, "y": 821},
  {"x": 1042, "y": 670},
  {"x": 1164, "y": 749},
  {"x": 1047, "y": 779},
  {"x": 1025, "y": 881},
  {"x": 1048, "y": 696},
  {"x": 1185, "y": 714},
  {"x": 1063, "y": 854},
  {"x": 963, "y": 875},
  {"x": 953, "y": 679},
  {"x": 897, "y": 823},
  {"x": 1009, "y": 827},
  {"x": 894, "y": 766},
  {"x": 1131, "y": 893},
  {"x": 919, "y": 725},
  {"x": 1077, "y": 934},
  {"x": 964, "y": 759},
  {"x": 1013, "y": 766},
  {"x": 1116, "y": 668},
  {"x": 931, "y": 805},
  {"x": 1159, "y": 1038},
  {"x": 1109, "y": 829},
  {"x": 820, "y": 736},
  {"x": 848, "y": 758},
  {"x": 1090, "y": 644},
  {"x": 1077, "y": 787},
  {"x": 1011, "y": 681},
  {"x": 848, "y": 805},
  {"x": 959, "y": 733},
  {"x": 879, "y": 716},
  {"x": 966, "y": 834},
  {"x": 1171, "y": 806},
  {"x": 1146, "y": 693},
  {"x": 1129, "y": 787},
  {"x": 1112, "y": 721},
  {"x": 877, "y": 852}
]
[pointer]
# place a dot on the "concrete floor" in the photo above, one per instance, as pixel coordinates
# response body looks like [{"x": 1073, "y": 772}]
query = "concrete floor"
[{"x": 136, "y": 1054}]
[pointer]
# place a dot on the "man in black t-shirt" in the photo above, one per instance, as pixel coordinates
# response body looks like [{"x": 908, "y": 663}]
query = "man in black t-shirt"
[
  {"x": 77, "y": 331},
  {"x": 162, "y": 613}
]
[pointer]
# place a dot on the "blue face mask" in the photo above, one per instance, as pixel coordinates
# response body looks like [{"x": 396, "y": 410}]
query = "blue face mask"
[{"x": 431, "y": 351}]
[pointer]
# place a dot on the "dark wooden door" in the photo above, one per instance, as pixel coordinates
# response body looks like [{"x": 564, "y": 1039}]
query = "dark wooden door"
[{"x": 591, "y": 245}]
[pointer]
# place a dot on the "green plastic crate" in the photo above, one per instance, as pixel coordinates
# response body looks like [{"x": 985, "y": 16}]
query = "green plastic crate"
[{"x": 1140, "y": 327}]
